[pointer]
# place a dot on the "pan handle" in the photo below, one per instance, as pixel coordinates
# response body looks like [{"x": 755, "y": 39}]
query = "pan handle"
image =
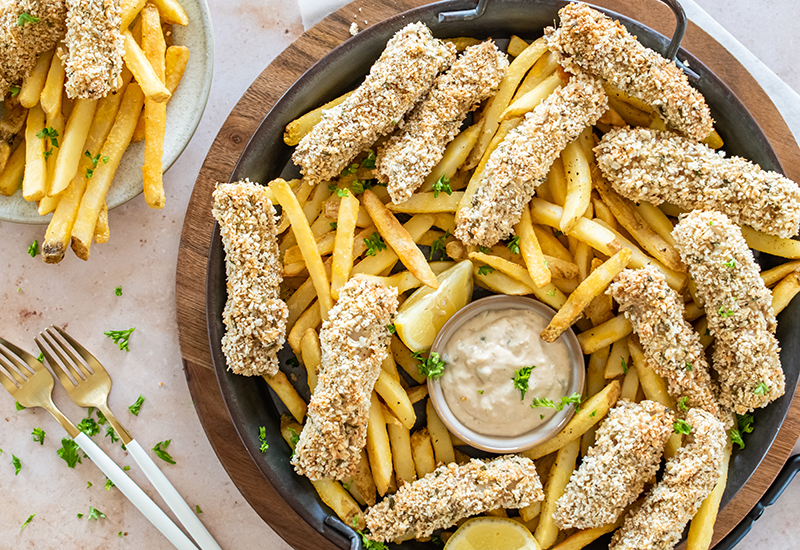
[
  {"x": 674, "y": 5},
  {"x": 772, "y": 495}
]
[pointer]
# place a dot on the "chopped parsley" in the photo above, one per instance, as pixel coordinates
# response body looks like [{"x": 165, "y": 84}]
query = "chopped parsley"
[
  {"x": 295, "y": 439},
  {"x": 541, "y": 417},
  {"x": 14, "y": 90},
  {"x": 725, "y": 312},
  {"x": 332, "y": 187},
  {"x": 513, "y": 245},
  {"x": 736, "y": 438},
  {"x": 521, "y": 378},
  {"x": 682, "y": 427},
  {"x": 761, "y": 389},
  {"x": 439, "y": 245},
  {"x": 350, "y": 169},
  {"x": 33, "y": 249},
  {"x": 391, "y": 328},
  {"x": 89, "y": 426},
  {"x": 374, "y": 244},
  {"x": 120, "y": 337},
  {"x": 432, "y": 367},
  {"x": 137, "y": 406},
  {"x": 593, "y": 413},
  {"x": 730, "y": 263},
  {"x": 442, "y": 185},
  {"x": 38, "y": 435},
  {"x": 293, "y": 362},
  {"x": 161, "y": 451},
  {"x": 80, "y": 515},
  {"x": 355, "y": 517},
  {"x": 109, "y": 484},
  {"x": 369, "y": 162},
  {"x": 127, "y": 468},
  {"x": 198, "y": 510},
  {"x": 106, "y": 159},
  {"x": 25, "y": 18},
  {"x": 89, "y": 173},
  {"x": 341, "y": 192},
  {"x": 551, "y": 292},
  {"x": 370, "y": 544},
  {"x": 575, "y": 399},
  {"x": 480, "y": 392},
  {"x": 49, "y": 133},
  {"x": 262, "y": 438},
  {"x": 485, "y": 270},
  {"x": 17, "y": 464},
  {"x": 95, "y": 159},
  {"x": 334, "y": 225},
  {"x": 559, "y": 233},
  {"x": 682, "y": 403},
  {"x": 484, "y": 250},
  {"x": 40, "y": 358},
  {"x": 744, "y": 425},
  {"x": 27, "y": 521},
  {"x": 112, "y": 434},
  {"x": 118, "y": 291},
  {"x": 359, "y": 186},
  {"x": 539, "y": 402},
  {"x": 624, "y": 366},
  {"x": 88, "y": 486},
  {"x": 19, "y": 407},
  {"x": 689, "y": 367},
  {"x": 95, "y": 514},
  {"x": 69, "y": 452}
]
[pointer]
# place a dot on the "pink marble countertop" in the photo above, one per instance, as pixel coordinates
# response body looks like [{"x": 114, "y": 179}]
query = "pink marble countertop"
[{"x": 141, "y": 258}]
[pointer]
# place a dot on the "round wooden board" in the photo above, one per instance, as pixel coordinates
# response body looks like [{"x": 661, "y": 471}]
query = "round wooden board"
[{"x": 218, "y": 166}]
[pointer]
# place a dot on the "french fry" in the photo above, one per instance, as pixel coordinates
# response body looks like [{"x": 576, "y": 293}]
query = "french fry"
[
  {"x": 312, "y": 356},
  {"x": 561, "y": 269},
  {"x": 583, "y": 538},
  {"x": 96, "y": 189},
  {"x": 619, "y": 359},
  {"x": 657, "y": 220},
  {"x": 784, "y": 291},
  {"x": 701, "y": 529},
  {"x": 129, "y": 11},
  {"x": 307, "y": 243},
  {"x": 34, "y": 184},
  {"x": 531, "y": 100},
  {"x": 155, "y": 112},
  {"x": 418, "y": 393},
  {"x": 630, "y": 114},
  {"x": 548, "y": 294},
  {"x": 363, "y": 480},
  {"x": 462, "y": 42},
  {"x": 605, "y": 334},
  {"x": 499, "y": 282},
  {"x": 771, "y": 277},
  {"x": 454, "y": 156},
  {"x": 592, "y": 411},
  {"x": 146, "y": 77},
  {"x": 400, "y": 439},
  {"x": 588, "y": 231},
  {"x": 396, "y": 399},
  {"x": 399, "y": 239},
  {"x": 440, "y": 436},
  {"x": 325, "y": 245},
  {"x": 176, "y": 60},
  {"x": 543, "y": 68},
  {"x": 378, "y": 448},
  {"x": 579, "y": 185},
  {"x": 594, "y": 284},
  {"x": 777, "y": 246},
  {"x": 429, "y": 203},
  {"x": 11, "y": 177},
  {"x": 422, "y": 450},
  {"x": 343, "y": 245},
  {"x": 516, "y": 46},
  {"x": 33, "y": 84},
  {"x": 498, "y": 103},
  {"x": 55, "y": 126},
  {"x": 310, "y": 318},
  {"x": 71, "y": 149},
  {"x": 101, "y": 230},
  {"x": 630, "y": 385},
  {"x": 402, "y": 281},
  {"x": 300, "y": 300},
  {"x": 340, "y": 501},
  {"x": 172, "y": 12},
  {"x": 531, "y": 251},
  {"x": 701, "y": 328},
  {"x": 595, "y": 381},
  {"x": 547, "y": 531},
  {"x": 300, "y": 127},
  {"x": 403, "y": 357},
  {"x": 714, "y": 140},
  {"x": 287, "y": 394},
  {"x": 552, "y": 247},
  {"x": 53, "y": 90}
]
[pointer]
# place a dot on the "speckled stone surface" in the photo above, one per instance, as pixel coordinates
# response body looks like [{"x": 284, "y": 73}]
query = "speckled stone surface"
[{"x": 141, "y": 257}]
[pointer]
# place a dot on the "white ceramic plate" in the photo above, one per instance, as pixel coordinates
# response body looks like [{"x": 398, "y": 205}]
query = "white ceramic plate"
[{"x": 184, "y": 112}]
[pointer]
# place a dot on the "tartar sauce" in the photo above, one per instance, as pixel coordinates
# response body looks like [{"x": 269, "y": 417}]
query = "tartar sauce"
[{"x": 482, "y": 357}]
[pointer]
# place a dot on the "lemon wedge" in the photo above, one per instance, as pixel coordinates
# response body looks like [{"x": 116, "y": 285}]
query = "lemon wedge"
[
  {"x": 492, "y": 533},
  {"x": 426, "y": 311}
]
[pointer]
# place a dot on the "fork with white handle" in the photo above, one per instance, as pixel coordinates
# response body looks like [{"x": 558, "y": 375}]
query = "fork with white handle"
[
  {"x": 88, "y": 385},
  {"x": 31, "y": 384}
]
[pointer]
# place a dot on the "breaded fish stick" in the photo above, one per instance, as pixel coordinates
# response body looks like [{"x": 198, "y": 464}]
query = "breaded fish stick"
[
  {"x": 644, "y": 164},
  {"x": 402, "y": 75},
  {"x": 95, "y": 47},
  {"x": 521, "y": 161},
  {"x": 626, "y": 454},
  {"x": 254, "y": 315},
  {"x": 688, "y": 479},
  {"x": 595, "y": 43},
  {"x": 27, "y": 28},
  {"x": 671, "y": 346},
  {"x": 453, "y": 492},
  {"x": 738, "y": 308},
  {"x": 407, "y": 159},
  {"x": 354, "y": 342}
]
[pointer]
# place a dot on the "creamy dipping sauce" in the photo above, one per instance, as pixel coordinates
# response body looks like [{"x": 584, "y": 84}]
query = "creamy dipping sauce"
[{"x": 482, "y": 356}]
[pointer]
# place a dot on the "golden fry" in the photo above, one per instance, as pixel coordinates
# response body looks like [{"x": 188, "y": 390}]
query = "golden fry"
[
  {"x": 33, "y": 84},
  {"x": 299, "y": 128},
  {"x": 312, "y": 356},
  {"x": 155, "y": 112},
  {"x": 422, "y": 450},
  {"x": 547, "y": 531},
  {"x": 440, "y": 437},
  {"x": 579, "y": 185},
  {"x": 343, "y": 245},
  {"x": 454, "y": 156},
  {"x": 605, "y": 334},
  {"x": 784, "y": 291},
  {"x": 172, "y": 12},
  {"x": 71, "y": 145},
  {"x": 34, "y": 184},
  {"x": 143, "y": 72},
  {"x": 13, "y": 172},
  {"x": 531, "y": 251},
  {"x": 396, "y": 399},
  {"x": 378, "y": 448},
  {"x": 429, "y": 203}
]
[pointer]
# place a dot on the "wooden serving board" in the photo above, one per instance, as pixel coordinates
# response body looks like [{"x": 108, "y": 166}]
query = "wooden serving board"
[{"x": 218, "y": 166}]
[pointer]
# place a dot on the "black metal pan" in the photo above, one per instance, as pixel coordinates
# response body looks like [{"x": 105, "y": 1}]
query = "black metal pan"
[{"x": 250, "y": 401}]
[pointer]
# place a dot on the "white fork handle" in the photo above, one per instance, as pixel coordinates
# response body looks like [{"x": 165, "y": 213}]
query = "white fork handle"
[
  {"x": 135, "y": 494},
  {"x": 173, "y": 499}
]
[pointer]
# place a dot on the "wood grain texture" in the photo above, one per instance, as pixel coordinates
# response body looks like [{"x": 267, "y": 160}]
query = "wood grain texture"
[{"x": 219, "y": 164}]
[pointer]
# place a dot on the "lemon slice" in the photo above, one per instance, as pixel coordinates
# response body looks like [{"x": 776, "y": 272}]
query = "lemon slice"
[
  {"x": 492, "y": 533},
  {"x": 426, "y": 311}
]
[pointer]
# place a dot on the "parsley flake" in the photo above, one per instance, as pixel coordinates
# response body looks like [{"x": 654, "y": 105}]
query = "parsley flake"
[
  {"x": 24, "y": 19},
  {"x": 485, "y": 270},
  {"x": 432, "y": 367},
  {"x": 484, "y": 250},
  {"x": 761, "y": 389},
  {"x": 95, "y": 514},
  {"x": 88, "y": 486},
  {"x": 262, "y": 438},
  {"x": 33, "y": 249},
  {"x": 682, "y": 403},
  {"x": 513, "y": 245},
  {"x": 730, "y": 263},
  {"x": 94, "y": 159},
  {"x": 161, "y": 451},
  {"x": 109, "y": 484},
  {"x": 359, "y": 186},
  {"x": 120, "y": 337},
  {"x": 369, "y": 161},
  {"x": 539, "y": 402},
  {"x": 689, "y": 367},
  {"x": 38, "y": 435},
  {"x": 593, "y": 413},
  {"x": 14, "y": 90},
  {"x": 682, "y": 427},
  {"x": 350, "y": 169},
  {"x": 736, "y": 438},
  {"x": 334, "y": 225},
  {"x": 442, "y": 185},
  {"x": 118, "y": 291},
  {"x": 80, "y": 516},
  {"x": 89, "y": 173},
  {"x": 40, "y": 358},
  {"x": 69, "y": 452},
  {"x": 480, "y": 392},
  {"x": 17, "y": 464},
  {"x": 19, "y": 407},
  {"x": 370, "y": 544},
  {"x": 574, "y": 399},
  {"x": 725, "y": 312},
  {"x": 49, "y": 133},
  {"x": 137, "y": 406},
  {"x": 521, "y": 378},
  {"x": 112, "y": 434},
  {"x": 27, "y": 521},
  {"x": 391, "y": 328},
  {"x": 439, "y": 245},
  {"x": 89, "y": 426},
  {"x": 198, "y": 510},
  {"x": 341, "y": 192},
  {"x": 624, "y": 366},
  {"x": 374, "y": 244},
  {"x": 551, "y": 292}
]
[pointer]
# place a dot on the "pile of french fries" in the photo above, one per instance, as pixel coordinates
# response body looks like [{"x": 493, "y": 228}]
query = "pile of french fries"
[
  {"x": 576, "y": 235},
  {"x": 64, "y": 153}
]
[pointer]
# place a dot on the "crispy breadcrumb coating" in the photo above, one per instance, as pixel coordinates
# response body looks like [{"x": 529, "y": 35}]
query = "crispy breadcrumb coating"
[
  {"x": 407, "y": 159},
  {"x": 593, "y": 42},
  {"x": 95, "y": 47},
  {"x": 521, "y": 161},
  {"x": 453, "y": 492},
  {"x": 671, "y": 346},
  {"x": 402, "y": 75},
  {"x": 27, "y": 28},
  {"x": 688, "y": 479},
  {"x": 738, "y": 308},
  {"x": 644, "y": 164},
  {"x": 254, "y": 315},
  {"x": 354, "y": 342},
  {"x": 626, "y": 454}
]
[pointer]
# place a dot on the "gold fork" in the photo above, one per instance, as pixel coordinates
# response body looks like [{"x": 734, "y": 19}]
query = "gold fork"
[
  {"x": 31, "y": 384},
  {"x": 88, "y": 384}
]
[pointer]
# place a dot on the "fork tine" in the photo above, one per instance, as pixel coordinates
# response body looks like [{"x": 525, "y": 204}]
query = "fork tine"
[
  {"x": 58, "y": 358},
  {"x": 86, "y": 371},
  {"x": 59, "y": 369},
  {"x": 5, "y": 377},
  {"x": 21, "y": 358},
  {"x": 90, "y": 359},
  {"x": 12, "y": 368}
]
